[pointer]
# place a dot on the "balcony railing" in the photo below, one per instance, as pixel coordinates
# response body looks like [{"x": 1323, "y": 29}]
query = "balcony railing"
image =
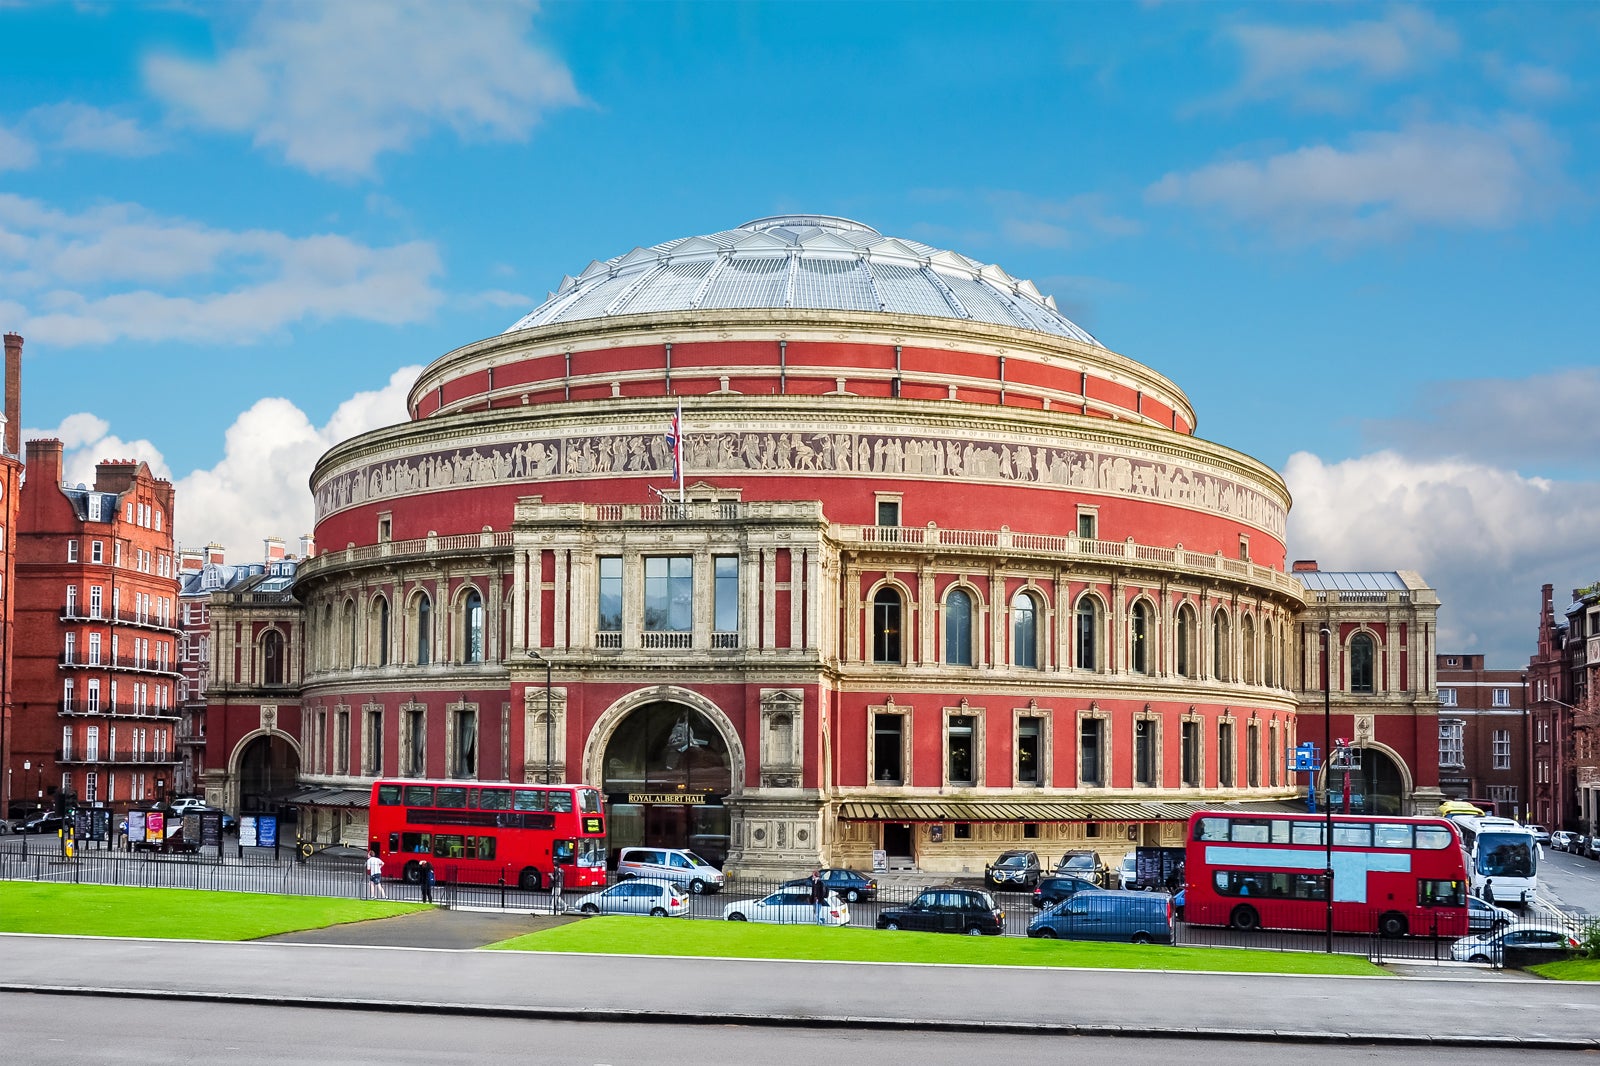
[
  {"x": 77, "y": 612},
  {"x": 120, "y": 709},
  {"x": 68, "y": 755},
  {"x": 608, "y": 638},
  {"x": 415, "y": 546},
  {"x": 653, "y": 641},
  {"x": 119, "y": 662},
  {"x": 724, "y": 641}
]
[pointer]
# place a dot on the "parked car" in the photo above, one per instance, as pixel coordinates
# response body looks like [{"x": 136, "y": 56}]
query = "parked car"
[
  {"x": 947, "y": 909},
  {"x": 1019, "y": 869},
  {"x": 1541, "y": 835},
  {"x": 1128, "y": 872},
  {"x": 851, "y": 885},
  {"x": 1055, "y": 888},
  {"x": 1591, "y": 847},
  {"x": 1134, "y": 917},
  {"x": 1561, "y": 840},
  {"x": 40, "y": 823},
  {"x": 1482, "y": 914},
  {"x": 657, "y": 898},
  {"x": 670, "y": 864},
  {"x": 1527, "y": 937},
  {"x": 1085, "y": 864},
  {"x": 788, "y": 906},
  {"x": 187, "y": 804}
]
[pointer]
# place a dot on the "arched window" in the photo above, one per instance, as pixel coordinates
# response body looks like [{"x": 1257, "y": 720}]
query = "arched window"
[
  {"x": 958, "y": 628},
  {"x": 424, "y": 630},
  {"x": 1185, "y": 641},
  {"x": 1247, "y": 646},
  {"x": 1024, "y": 631},
  {"x": 1362, "y": 653},
  {"x": 272, "y": 657},
  {"x": 1086, "y": 646},
  {"x": 350, "y": 631},
  {"x": 380, "y": 627},
  {"x": 1221, "y": 648},
  {"x": 1269, "y": 675},
  {"x": 472, "y": 625},
  {"x": 327, "y": 643},
  {"x": 886, "y": 626},
  {"x": 1139, "y": 639}
]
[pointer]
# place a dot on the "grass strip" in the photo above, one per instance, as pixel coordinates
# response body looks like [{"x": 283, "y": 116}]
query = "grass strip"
[
  {"x": 1569, "y": 970},
  {"x": 747, "y": 940},
  {"x": 175, "y": 913}
]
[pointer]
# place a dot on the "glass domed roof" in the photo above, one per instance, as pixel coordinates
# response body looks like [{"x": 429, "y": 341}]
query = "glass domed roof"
[{"x": 803, "y": 261}]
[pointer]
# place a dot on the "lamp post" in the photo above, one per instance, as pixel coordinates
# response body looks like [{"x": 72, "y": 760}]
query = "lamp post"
[
  {"x": 1327, "y": 773},
  {"x": 549, "y": 725}
]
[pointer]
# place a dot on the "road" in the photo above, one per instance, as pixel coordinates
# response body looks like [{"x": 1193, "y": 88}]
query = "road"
[
  {"x": 1571, "y": 882},
  {"x": 47, "y": 1030}
]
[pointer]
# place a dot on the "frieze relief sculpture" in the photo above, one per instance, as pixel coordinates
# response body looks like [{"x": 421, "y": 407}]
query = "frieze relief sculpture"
[{"x": 841, "y": 453}]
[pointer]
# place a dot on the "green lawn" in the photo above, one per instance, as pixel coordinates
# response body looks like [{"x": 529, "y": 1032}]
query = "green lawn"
[
  {"x": 1569, "y": 970},
  {"x": 175, "y": 914},
  {"x": 743, "y": 940}
]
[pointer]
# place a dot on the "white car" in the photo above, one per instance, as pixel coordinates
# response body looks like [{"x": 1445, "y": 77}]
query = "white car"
[
  {"x": 788, "y": 906},
  {"x": 1528, "y": 938},
  {"x": 1128, "y": 872},
  {"x": 636, "y": 897},
  {"x": 1482, "y": 915},
  {"x": 1561, "y": 840},
  {"x": 189, "y": 803},
  {"x": 670, "y": 865},
  {"x": 1541, "y": 835}
]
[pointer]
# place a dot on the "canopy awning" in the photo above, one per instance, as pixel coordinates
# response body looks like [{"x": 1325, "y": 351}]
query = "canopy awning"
[
  {"x": 329, "y": 797},
  {"x": 1044, "y": 809}
]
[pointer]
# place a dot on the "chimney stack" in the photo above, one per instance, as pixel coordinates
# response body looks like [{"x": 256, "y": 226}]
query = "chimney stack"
[{"x": 13, "y": 394}]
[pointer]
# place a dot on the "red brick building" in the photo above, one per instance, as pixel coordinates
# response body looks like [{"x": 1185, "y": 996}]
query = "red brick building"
[
  {"x": 1563, "y": 695},
  {"x": 1483, "y": 731},
  {"x": 95, "y": 658},
  {"x": 13, "y": 801}
]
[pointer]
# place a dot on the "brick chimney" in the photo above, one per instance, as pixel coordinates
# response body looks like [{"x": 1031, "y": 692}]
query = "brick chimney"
[
  {"x": 13, "y": 394},
  {"x": 1304, "y": 566}
]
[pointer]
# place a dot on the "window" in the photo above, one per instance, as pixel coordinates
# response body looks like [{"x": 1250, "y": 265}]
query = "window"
[
  {"x": 886, "y": 626},
  {"x": 1502, "y": 697},
  {"x": 1225, "y": 754},
  {"x": 1139, "y": 639},
  {"x": 272, "y": 658},
  {"x": 1088, "y": 524},
  {"x": 958, "y": 628},
  {"x": 71, "y": 647},
  {"x": 1362, "y": 653},
  {"x": 341, "y": 742},
  {"x": 1024, "y": 631},
  {"x": 97, "y": 551},
  {"x": 66, "y": 695},
  {"x": 72, "y": 551},
  {"x": 725, "y": 594},
  {"x": 1451, "y": 732},
  {"x": 888, "y": 512},
  {"x": 94, "y": 649},
  {"x": 668, "y": 594},
  {"x": 1185, "y": 641},
  {"x": 1221, "y": 648},
  {"x": 380, "y": 625},
  {"x": 94, "y": 601},
  {"x": 385, "y": 528},
  {"x": 963, "y": 753},
  {"x": 464, "y": 757},
  {"x": 414, "y": 743},
  {"x": 472, "y": 625},
  {"x": 1086, "y": 649},
  {"x": 93, "y": 696},
  {"x": 424, "y": 630},
  {"x": 350, "y": 632},
  {"x": 72, "y": 601},
  {"x": 1247, "y": 648},
  {"x": 1091, "y": 733},
  {"x": 1447, "y": 697},
  {"x": 887, "y": 740},
  {"x": 1144, "y": 743},
  {"x": 1190, "y": 755},
  {"x": 1501, "y": 742},
  {"x": 1274, "y": 754},
  {"x": 1028, "y": 731},
  {"x": 608, "y": 622},
  {"x": 1253, "y": 738}
]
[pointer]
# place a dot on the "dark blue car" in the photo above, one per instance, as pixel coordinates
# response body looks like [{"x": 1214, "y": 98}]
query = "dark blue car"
[{"x": 851, "y": 885}]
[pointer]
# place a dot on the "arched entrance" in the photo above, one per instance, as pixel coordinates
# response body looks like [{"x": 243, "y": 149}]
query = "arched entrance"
[
  {"x": 1377, "y": 786},
  {"x": 268, "y": 769},
  {"x": 665, "y": 772}
]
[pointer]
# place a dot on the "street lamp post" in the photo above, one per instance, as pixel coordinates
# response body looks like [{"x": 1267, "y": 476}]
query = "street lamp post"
[
  {"x": 549, "y": 725},
  {"x": 1327, "y": 774}
]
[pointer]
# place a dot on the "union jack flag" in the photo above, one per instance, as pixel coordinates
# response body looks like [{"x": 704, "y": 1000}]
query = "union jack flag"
[{"x": 675, "y": 442}]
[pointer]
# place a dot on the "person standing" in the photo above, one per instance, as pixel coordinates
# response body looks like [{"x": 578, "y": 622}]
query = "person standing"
[
  {"x": 375, "y": 876},
  {"x": 425, "y": 880},
  {"x": 819, "y": 896},
  {"x": 558, "y": 880}
]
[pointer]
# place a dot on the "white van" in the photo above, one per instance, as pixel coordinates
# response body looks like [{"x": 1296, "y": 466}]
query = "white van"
[{"x": 670, "y": 864}]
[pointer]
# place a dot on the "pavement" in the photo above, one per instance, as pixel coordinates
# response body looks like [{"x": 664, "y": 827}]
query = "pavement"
[{"x": 425, "y": 963}]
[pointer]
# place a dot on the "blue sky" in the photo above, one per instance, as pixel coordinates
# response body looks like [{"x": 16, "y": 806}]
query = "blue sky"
[{"x": 1362, "y": 238}]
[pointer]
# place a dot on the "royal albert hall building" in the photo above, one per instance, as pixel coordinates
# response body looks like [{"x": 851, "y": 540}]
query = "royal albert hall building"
[{"x": 947, "y": 575}]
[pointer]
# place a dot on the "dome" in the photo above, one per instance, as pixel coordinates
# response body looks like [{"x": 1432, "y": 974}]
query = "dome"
[{"x": 803, "y": 261}]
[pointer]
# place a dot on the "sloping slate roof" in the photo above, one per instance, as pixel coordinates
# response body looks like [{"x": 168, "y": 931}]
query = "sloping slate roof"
[
  {"x": 1351, "y": 580},
  {"x": 1043, "y": 810},
  {"x": 330, "y": 797},
  {"x": 807, "y": 261}
]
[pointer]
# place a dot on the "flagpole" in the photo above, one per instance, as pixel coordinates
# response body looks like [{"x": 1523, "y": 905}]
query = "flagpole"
[{"x": 681, "y": 471}]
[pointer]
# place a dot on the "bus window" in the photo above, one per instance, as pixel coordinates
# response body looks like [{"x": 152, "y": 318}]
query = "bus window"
[
  {"x": 563, "y": 852},
  {"x": 1211, "y": 829},
  {"x": 1250, "y": 832},
  {"x": 416, "y": 843},
  {"x": 560, "y": 802},
  {"x": 1308, "y": 833},
  {"x": 388, "y": 795},
  {"x": 394, "y": 843},
  {"x": 451, "y": 796},
  {"x": 419, "y": 795},
  {"x": 1434, "y": 838},
  {"x": 589, "y": 800},
  {"x": 1391, "y": 835},
  {"x": 530, "y": 799},
  {"x": 1441, "y": 893},
  {"x": 1352, "y": 835},
  {"x": 494, "y": 799},
  {"x": 485, "y": 847},
  {"x": 1280, "y": 831},
  {"x": 449, "y": 846}
]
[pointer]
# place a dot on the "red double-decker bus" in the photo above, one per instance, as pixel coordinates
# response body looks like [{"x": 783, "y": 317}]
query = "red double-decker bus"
[
  {"x": 1392, "y": 876},
  {"x": 489, "y": 833}
]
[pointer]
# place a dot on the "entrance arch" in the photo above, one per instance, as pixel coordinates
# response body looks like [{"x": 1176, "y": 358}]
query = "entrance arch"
[
  {"x": 1381, "y": 786},
  {"x": 666, "y": 759},
  {"x": 266, "y": 768}
]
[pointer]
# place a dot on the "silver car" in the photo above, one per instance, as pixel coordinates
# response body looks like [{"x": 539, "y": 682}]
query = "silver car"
[{"x": 656, "y": 898}]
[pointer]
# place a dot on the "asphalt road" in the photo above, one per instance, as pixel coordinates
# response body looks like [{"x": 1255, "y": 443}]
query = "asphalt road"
[{"x": 47, "y": 1030}]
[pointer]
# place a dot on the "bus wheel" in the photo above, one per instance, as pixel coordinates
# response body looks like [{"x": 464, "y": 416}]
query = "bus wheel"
[
  {"x": 1392, "y": 925},
  {"x": 412, "y": 873},
  {"x": 529, "y": 880},
  {"x": 1244, "y": 919}
]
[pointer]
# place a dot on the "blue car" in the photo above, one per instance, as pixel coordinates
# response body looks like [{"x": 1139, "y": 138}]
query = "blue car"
[{"x": 851, "y": 885}]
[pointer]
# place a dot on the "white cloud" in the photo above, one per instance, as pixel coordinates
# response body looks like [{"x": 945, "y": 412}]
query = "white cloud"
[
  {"x": 1384, "y": 185},
  {"x": 260, "y": 487},
  {"x": 1486, "y": 538},
  {"x": 118, "y": 271},
  {"x": 332, "y": 86},
  {"x": 17, "y": 152},
  {"x": 1325, "y": 68},
  {"x": 1530, "y": 83},
  {"x": 1544, "y": 418},
  {"x": 82, "y": 128}
]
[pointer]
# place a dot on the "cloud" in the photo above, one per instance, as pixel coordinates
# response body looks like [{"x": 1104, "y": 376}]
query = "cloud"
[
  {"x": 1544, "y": 418},
  {"x": 1529, "y": 83},
  {"x": 81, "y": 128},
  {"x": 1484, "y": 537},
  {"x": 332, "y": 86},
  {"x": 119, "y": 272},
  {"x": 1326, "y": 68},
  {"x": 17, "y": 151},
  {"x": 1382, "y": 186},
  {"x": 260, "y": 486}
]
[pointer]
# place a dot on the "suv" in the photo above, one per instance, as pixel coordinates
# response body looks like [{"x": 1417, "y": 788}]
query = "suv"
[
  {"x": 1018, "y": 868},
  {"x": 670, "y": 864},
  {"x": 1133, "y": 917},
  {"x": 1085, "y": 864},
  {"x": 947, "y": 909},
  {"x": 1057, "y": 887}
]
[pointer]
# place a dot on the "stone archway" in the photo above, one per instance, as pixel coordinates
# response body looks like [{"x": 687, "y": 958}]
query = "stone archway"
[
  {"x": 264, "y": 767},
  {"x": 1382, "y": 785}
]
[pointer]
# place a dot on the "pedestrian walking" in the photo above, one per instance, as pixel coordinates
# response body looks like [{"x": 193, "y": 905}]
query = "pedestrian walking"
[
  {"x": 558, "y": 880},
  {"x": 375, "y": 876},
  {"x": 425, "y": 880},
  {"x": 819, "y": 896}
]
